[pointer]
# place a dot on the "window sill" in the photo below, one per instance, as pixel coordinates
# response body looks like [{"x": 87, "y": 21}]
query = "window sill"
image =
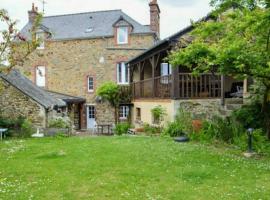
[{"x": 123, "y": 84}]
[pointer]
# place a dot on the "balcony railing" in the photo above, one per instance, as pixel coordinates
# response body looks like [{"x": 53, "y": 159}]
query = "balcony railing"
[{"x": 185, "y": 86}]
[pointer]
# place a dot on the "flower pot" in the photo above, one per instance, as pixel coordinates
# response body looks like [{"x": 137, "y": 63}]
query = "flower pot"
[{"x": 197, "y": 125}]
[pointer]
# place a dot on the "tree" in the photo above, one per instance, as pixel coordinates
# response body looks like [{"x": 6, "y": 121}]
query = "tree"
[
  {"x": 14, "y": 47},
  {"x": 235, "y": 43},
  {"x": 110, "y": 92}
]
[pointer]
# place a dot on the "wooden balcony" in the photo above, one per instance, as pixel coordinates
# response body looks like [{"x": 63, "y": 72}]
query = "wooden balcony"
[
  {"x": 179, "y": 86},
  {"x": 125, "y": 94}
]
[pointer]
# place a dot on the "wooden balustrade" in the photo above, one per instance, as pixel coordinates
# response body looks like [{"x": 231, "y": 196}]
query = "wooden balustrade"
[{"x": 188, "y": 86}]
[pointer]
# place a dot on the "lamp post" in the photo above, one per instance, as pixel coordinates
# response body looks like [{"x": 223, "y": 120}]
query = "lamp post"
[{"x": 249, "y": 133}]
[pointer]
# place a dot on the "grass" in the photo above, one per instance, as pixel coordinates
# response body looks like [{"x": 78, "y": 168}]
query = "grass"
[{"x": 127, "y": 168}]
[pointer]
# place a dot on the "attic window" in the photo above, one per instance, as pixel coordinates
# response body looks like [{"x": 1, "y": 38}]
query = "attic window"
[
  {"x": 122, "y": 35},
  {"x": 89, "y": 30}
]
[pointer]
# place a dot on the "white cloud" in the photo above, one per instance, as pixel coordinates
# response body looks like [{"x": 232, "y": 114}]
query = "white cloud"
[{"x": 175, "y": 14}]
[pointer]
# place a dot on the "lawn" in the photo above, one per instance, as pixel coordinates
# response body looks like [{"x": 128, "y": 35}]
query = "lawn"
[{"x": 127, "y": 168}]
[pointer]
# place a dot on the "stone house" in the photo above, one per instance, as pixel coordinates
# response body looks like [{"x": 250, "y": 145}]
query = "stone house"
[
  {"x": 79, "y": 52},
  {"x": 154, "y": 82},
  {"x": 21, "y": 98}
]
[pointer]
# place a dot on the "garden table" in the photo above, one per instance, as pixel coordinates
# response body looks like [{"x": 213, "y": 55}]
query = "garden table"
[
  {"x": 2, "y": 130},
  {"x": 104, "y": 129}
]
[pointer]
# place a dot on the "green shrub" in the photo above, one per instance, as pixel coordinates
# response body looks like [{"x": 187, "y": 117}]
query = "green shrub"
[
  {"x": 26, "y": 129},
  {"x": 61, "y": 135},
  {"x": 250, "y": 116},
  {"x": 19, "y": 127},
  {"x": 121, "y": 128},
  {"x": 185, "y": 119},
  {"x": 158, "y": 114},
  {"x": 220, "y": 129},
  {"x": 260, "y": 143},
  {"x": 58, "y": 123},
  {"x": 151, "y": 130},
  {"x": 173, "y": 129}
]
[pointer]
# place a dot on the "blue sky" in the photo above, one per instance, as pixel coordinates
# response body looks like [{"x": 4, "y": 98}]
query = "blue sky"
[{"x": 175, "y": 14}]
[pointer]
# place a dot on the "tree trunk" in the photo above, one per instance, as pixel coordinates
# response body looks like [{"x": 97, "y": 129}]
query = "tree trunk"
[{"x": 266, "y": 111}]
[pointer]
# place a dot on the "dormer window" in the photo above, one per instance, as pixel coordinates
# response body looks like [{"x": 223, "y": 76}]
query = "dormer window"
[
  {"x": 40, "y": 37},
  {"x": 122, "y": 35}
]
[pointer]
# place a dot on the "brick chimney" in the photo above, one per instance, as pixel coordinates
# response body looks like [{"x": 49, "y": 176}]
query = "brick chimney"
[
  {"x": 154, "y": 17},
  {"x": 32, "y": 14}
]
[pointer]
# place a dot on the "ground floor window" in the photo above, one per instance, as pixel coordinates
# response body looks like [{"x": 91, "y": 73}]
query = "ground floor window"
[
  {"x": 138, "y": 113},
  {"x": 123, "y": 112}
]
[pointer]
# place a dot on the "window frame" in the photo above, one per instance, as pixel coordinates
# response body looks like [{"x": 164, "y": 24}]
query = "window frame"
[
  {"x": 138, "y": 113},
  {"x": 37, "y": 75},
  {"x": 124, "y": 112},
  {"x": 126, "y": 34},
  {"x": 122, "y": 73},
  {"x": 88, "y": 84}
]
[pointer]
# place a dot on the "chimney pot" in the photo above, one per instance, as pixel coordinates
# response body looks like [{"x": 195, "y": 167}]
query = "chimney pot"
[
  {"x": 154, "y": 17},
  {"x": 32, "y": 14}
]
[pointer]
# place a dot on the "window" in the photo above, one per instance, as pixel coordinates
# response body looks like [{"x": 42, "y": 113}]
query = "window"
[
  {"x": 41, "y": 39},
  {"x": 90, "y": 84},
  {"x": 40, "y": 76},
  {"x": 138, "y": 113},
  {"x": 122, "y": 35},
  {"x": 123, "y": 112},
  {"x": 165, "y": 70},
  {"x": 122, "y": 73}
]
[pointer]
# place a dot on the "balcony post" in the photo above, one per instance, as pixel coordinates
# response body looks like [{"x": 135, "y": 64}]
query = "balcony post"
[
  {"x": 222, "y": 90},
  {"x": 175, "y": 90}
]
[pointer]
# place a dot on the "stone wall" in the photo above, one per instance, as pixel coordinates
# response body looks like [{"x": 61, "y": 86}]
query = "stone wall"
[
  {"x": 69, "y": 63},
  {"x": 200, "y": 108},
  {"x": 14, "y": 104}
]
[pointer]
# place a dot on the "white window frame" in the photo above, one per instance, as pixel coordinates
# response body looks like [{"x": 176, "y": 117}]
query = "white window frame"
[
  {"x": 165, "y": 71},
  {"x": 41, "y": 36},
  {"x": 88, "y": 84},
  {"x": 40, "y": 76},
  {"x": 122, "y": 73},
  {"x": 125, "y": 31},
  {"x": 123, "y": 112}
]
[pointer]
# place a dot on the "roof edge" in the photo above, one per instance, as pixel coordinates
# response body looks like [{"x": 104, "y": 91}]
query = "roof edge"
[{"x": 80, "y": 13}]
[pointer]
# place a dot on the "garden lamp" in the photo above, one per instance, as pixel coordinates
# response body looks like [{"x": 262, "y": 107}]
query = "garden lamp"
[{"x": 249, "y": 133}]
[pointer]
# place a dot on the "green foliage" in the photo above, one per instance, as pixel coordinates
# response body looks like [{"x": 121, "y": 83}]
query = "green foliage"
[
  {"x": 173, "y": 129},
  {"x": 158, "y": 114},
  {"x": 110, "y": 91},
  {"x": 12, "y": 54},
  {"x": 26, "y": 129},
  {"x": 230, "y": 131},
  {"x": 58, "y": 123},
  {"x": 235, "y": 43},
  {"x": 185, "y": 119},
  {"x": 250, "y": 116},
  {"x": 151, "y": 130},
  {"x": 224, "y": 130},
  {"x": 19, "y": 127},
  {"x": 61, "y": 135},
  {"x": 121, "y": 128},
  {"x": 260, "y": 143}
]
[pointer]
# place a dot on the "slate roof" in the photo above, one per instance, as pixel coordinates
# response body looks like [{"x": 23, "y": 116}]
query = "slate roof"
[
  {"x": 66, "y": 98},
  {"x": 19, "y": 81},
  {"x": 167, "y": 41},
  {"x": 73, "y": 26}
]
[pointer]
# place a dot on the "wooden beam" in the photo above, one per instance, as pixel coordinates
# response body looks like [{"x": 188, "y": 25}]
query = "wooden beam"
[{"x": 175, "y": 89}]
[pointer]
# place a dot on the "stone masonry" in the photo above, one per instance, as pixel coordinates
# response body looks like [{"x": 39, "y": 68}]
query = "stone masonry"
[
  {"x": 69, "y": 63},
  {"x": 14, "y": 104}
]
